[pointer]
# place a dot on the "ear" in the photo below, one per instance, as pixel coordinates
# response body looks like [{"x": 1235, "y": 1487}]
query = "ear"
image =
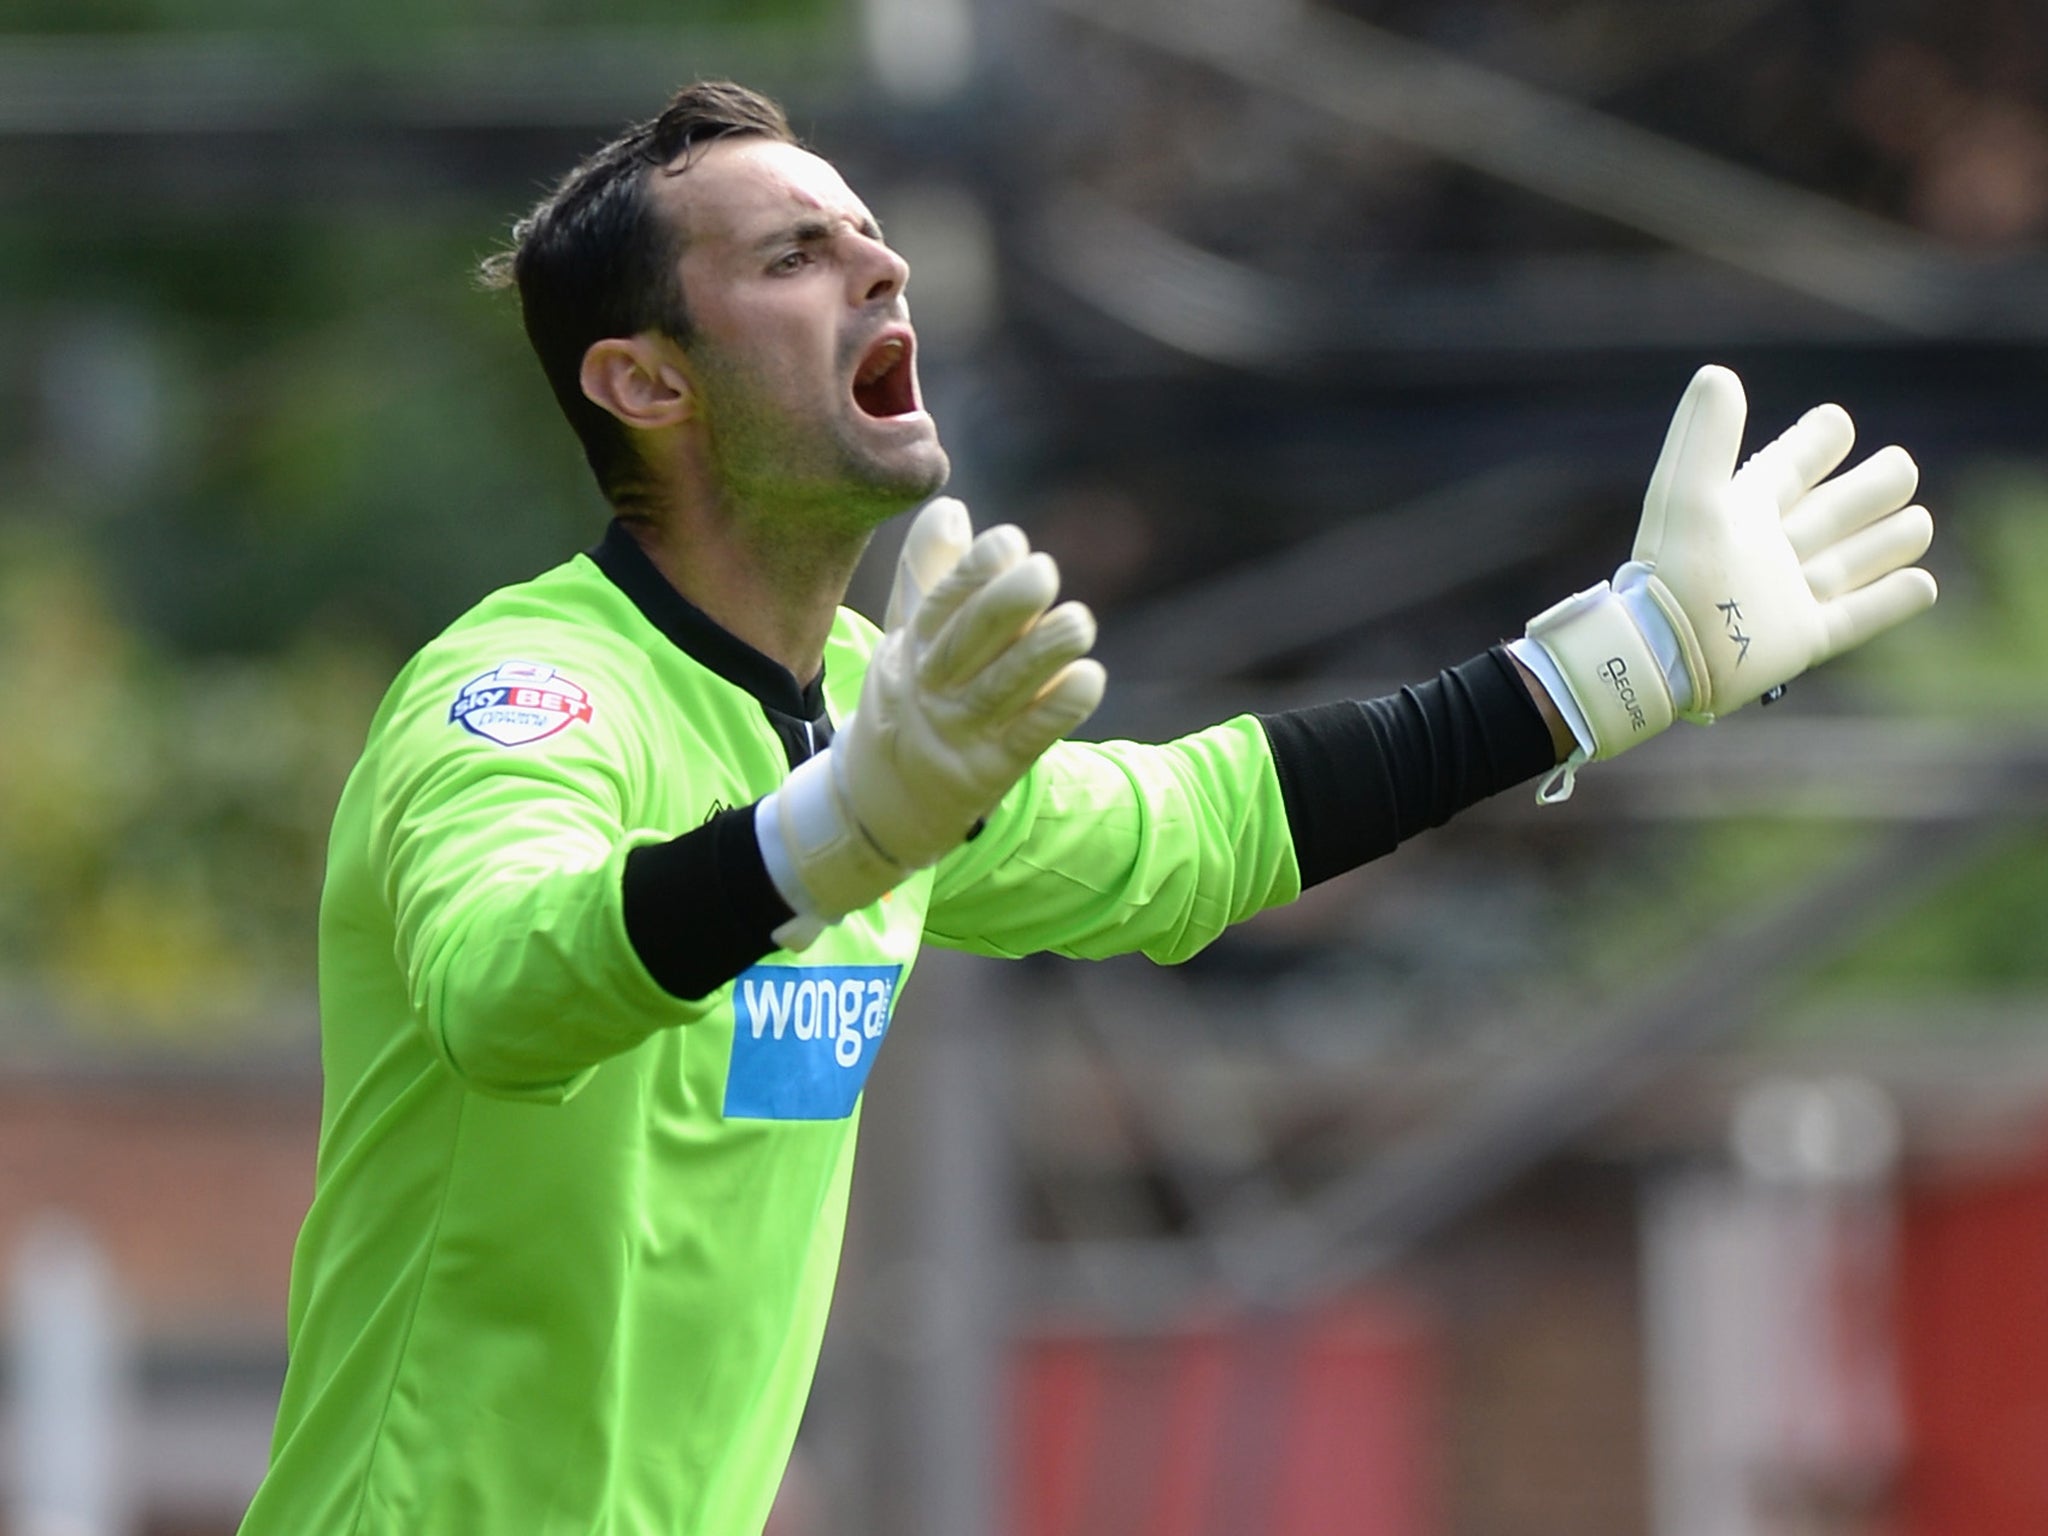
[{"x": 638, "y": 380}]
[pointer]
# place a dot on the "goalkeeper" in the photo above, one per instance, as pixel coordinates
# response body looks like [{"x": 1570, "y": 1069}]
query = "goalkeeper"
[{"x": 639, "y": 853}]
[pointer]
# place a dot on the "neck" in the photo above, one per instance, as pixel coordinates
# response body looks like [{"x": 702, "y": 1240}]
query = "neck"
[{"x": 779, "y": 594}]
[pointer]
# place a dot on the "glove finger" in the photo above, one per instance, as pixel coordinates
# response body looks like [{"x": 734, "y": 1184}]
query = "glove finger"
[
  {"x": 1855, "y": 617},
  {"x": 1699, "y": 451},
  {"x": 1021, "y": 673},
  {"x": 1067, "y": 700},
  {"x": 989, "y": 622},
  {"x": 938, "y": 537},
  {"x": 1869, "y": 553},
  {"x": 1801, "y": 456},
  {"x": 1828, "y": 513},
  {"x": 994, "y": 551}
]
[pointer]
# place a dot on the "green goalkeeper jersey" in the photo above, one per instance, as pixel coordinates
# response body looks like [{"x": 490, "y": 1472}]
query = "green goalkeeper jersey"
[{"x": 573, "y": 1238}]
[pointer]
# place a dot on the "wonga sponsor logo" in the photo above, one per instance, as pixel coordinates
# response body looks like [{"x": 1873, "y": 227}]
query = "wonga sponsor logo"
[
  {"x": 518, "y": 702},
  {"x": 804, "y": 1037}
]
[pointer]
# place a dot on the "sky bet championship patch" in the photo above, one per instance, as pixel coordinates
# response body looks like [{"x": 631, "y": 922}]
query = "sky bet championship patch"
[
  {"x": 519, "y": 702},
  {"x": 804, "y": 1037}
]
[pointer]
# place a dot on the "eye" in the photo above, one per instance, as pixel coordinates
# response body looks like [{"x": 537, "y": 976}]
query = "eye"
[{"x": 790, "y": 261}]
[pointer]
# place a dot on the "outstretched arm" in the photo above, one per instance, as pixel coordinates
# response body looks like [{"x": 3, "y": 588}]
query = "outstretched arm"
[{"x": 1741, "y": 579}]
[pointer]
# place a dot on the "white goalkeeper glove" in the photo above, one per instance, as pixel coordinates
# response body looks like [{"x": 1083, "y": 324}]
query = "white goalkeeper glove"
[
  {"x": 975, "y": 676},
  {"x": 1740, "y": 581}
]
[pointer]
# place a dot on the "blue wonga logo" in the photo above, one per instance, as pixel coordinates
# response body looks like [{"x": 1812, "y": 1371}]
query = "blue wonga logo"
[{"x": 804, "y": 1037}]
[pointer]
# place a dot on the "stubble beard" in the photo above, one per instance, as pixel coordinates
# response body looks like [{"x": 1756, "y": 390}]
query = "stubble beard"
[{"x": 819, "y": 479}]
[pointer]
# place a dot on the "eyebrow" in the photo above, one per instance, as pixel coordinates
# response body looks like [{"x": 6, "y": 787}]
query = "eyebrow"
[{"x": 809, "y": 230}]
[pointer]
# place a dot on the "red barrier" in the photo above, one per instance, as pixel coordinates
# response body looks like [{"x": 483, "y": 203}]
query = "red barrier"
[
  {"x": 1233, "y": 1426},
  {"x": 1974, "y": 1350}
]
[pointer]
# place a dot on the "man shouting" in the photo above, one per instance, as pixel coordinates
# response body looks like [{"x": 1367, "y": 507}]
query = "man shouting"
[{"x": 640, "y": 853}]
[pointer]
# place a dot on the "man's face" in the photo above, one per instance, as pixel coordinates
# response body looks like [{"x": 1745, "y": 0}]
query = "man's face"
[{"x": 803, "y": 358}]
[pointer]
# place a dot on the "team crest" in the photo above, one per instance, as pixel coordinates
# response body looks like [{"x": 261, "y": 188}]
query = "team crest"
[{"x": 519, "y": 702}]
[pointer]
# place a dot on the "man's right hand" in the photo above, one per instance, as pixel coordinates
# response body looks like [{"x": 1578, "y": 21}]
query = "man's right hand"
[{"x": 976, "y": 675}]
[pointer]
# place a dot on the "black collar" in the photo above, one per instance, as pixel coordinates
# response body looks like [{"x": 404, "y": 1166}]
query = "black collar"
[{"x": 698, "y": 635}]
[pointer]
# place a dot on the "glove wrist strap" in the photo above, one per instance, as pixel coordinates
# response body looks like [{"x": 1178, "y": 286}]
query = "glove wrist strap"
[
  {"x": 1611, "y": 670},
  {"x": 821, "y": 862}
]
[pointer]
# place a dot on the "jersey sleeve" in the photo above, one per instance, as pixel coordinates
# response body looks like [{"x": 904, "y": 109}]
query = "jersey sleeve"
[
  {"x": 1361, "y": 776},
  {"x": 503, "y": 869},
  {"x": 1109, "y": 848}
]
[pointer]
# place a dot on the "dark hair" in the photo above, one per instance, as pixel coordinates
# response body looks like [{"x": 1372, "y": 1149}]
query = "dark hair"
[{"x": 597, "y": 257}]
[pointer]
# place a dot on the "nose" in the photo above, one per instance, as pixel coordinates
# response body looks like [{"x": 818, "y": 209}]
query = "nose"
[{"x": 882, "y": 274}]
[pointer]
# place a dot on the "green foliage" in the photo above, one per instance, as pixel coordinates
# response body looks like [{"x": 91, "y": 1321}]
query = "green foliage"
[
  {"x": 161, "y": 825},
  {"x": 249, "y": 470},
  {"x": 355, "y": 439},
  {"x": 1983, "y": 651},
  {"x": 1985, "y": 930}
]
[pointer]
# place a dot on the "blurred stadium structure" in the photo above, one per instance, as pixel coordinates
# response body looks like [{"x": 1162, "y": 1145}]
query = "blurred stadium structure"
[{"x": 1673, "y": 1161}]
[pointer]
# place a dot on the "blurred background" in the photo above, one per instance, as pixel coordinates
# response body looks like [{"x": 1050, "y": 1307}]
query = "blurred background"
[{"x": 1672, "y": 1161}]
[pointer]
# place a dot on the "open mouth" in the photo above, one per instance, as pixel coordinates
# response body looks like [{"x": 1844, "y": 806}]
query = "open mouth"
[{"x": 884, "y": 384}]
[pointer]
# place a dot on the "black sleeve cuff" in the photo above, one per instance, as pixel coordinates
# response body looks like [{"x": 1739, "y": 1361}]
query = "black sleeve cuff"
[
  {"x": 1358, "y": 777},
  {"x": 700, "y": 908}
]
